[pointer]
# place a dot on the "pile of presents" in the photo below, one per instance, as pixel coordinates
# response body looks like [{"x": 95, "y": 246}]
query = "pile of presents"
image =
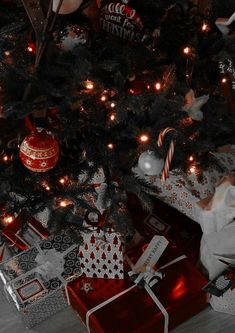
[{"x": 154, "y": 282}]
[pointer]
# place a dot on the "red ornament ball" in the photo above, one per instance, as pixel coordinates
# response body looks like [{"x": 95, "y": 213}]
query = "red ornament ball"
[
  {"x": 137, "y": 86},
  {"x": 39, "y": 152}
]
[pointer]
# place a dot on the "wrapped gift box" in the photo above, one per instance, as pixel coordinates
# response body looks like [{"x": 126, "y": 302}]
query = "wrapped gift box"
[
  {"x": 222, "y": 287},
  {"x": 120, "y": 306},
  {"x": 225, "y": 303},
  {"x": 183, "y": 190},
  {"x": 167, "y": 221},
  {"x": 101, "y": 254},
  {"x": 22, "y": 238},
  {"x": 7, "y": 251},
  {"x": 36, "y": 279}
]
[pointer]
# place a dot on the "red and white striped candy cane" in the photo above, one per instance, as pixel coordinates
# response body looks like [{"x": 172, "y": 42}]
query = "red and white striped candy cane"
[{"x": 170, "y": 153}]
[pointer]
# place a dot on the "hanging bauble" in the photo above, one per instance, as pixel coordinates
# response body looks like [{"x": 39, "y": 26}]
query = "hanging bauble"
[
  {"x": 67, "y": 7},
  {"x": 150, "y": 164},
  {"x": 39, "y": 152},
  {"x": 72, "y": 36},
  {"x": 137, "y": 86}
]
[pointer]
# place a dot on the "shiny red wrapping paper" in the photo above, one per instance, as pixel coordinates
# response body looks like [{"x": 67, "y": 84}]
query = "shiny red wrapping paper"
[
  {"x": 135, "y": 312},
  {"x": 11, "y": 232},
  {"x": 183, "y": 231}
]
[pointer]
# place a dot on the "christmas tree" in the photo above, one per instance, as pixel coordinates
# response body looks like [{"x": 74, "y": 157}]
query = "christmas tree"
[{"x": 85, "y": 95}]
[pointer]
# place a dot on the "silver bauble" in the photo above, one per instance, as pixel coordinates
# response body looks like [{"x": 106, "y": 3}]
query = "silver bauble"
[
  {"x": 71, "y": 36},
  {"x": 150, "y": 164}
]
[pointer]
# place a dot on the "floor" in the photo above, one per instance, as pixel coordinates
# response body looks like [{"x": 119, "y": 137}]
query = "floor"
[{"x": 66, "y": 321}]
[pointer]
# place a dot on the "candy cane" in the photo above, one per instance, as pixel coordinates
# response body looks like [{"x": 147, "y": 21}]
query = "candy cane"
[{"x": 170, "y": 153}]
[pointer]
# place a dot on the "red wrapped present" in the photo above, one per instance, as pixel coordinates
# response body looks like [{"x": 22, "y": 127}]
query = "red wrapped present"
[
  {"x": 168, "y": 221},
  {"x": 35, "y": 231},
  {"x": 120, "y": 306}
]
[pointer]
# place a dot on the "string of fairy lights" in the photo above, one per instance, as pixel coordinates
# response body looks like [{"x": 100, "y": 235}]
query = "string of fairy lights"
[{"x": 108, "y": 100}]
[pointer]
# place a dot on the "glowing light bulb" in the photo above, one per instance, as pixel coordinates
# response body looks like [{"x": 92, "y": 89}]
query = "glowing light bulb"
[
  {"x": 205, "y": 27},
  {"x": 158, "y": 86},
  {"x": 224, "y": 80},
  {"x": 5, "y": 158},
  {"x": 110, "y": 146},
  {"x": 7, "y": 53},
  {"x": 191, "y": 158},
  {"x": 144, "y": 138},
  {"x": 187, "y": 50},
  {"x": 112, "y": 117},
  {"x": 103, "y": 98},
  {"x": 45, "y": 185},
  {"x": 89, "y": 85},
  {"x": 112, "y": 105},
  {"x": 62, "y": 181},
  {"x": 30, "y": 49},
  {"x": 8, "y": 219},
  {"x": 193, "y": 169},
  {"x": 63, "y": 203}
]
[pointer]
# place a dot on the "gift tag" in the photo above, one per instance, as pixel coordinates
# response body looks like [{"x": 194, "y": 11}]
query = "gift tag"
[
  {"x": 152, "y": 254},
  {"x": 30, "y": 290},
  {"x": 155, "y": 223}
]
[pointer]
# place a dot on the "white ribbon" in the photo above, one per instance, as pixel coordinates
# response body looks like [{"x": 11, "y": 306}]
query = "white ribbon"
[
  {"x": 150, "y": 277},
  {"x": 147, "y": 288},
  {"x": 51, "y": 263}
]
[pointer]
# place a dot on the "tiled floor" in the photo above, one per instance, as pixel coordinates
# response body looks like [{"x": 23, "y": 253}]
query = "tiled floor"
[{"x": 207, "y": 321}]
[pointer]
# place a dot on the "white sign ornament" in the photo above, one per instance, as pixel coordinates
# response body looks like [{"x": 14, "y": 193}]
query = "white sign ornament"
[{"x": 121, "y": 21}]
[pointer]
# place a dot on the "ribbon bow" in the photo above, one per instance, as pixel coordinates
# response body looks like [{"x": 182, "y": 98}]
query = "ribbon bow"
[
  {"x": 51, "y": 263},
  {"x": 150, "y": 277}
]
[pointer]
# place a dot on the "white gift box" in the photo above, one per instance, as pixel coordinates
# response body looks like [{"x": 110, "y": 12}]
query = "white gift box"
[
  {"x": 217, "y": 211},
  {"x": 101, "y": 254},
  {"x": 225, "y": 303},
  {"x": 217, "y": 244},
  {"x": 184, "y": 190}
]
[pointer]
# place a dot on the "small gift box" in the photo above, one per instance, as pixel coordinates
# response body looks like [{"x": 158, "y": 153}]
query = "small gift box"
[
  {"x": 7, "y": 251},
  {"x": 166, "y": 220},
  {"x": 23, "y": 238},
  {"x": 36, "y": 280},
  {"x": 222, "y": 292},
  {"x": 165, "y": 298},
  {"x": 101, "y": 254}
]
